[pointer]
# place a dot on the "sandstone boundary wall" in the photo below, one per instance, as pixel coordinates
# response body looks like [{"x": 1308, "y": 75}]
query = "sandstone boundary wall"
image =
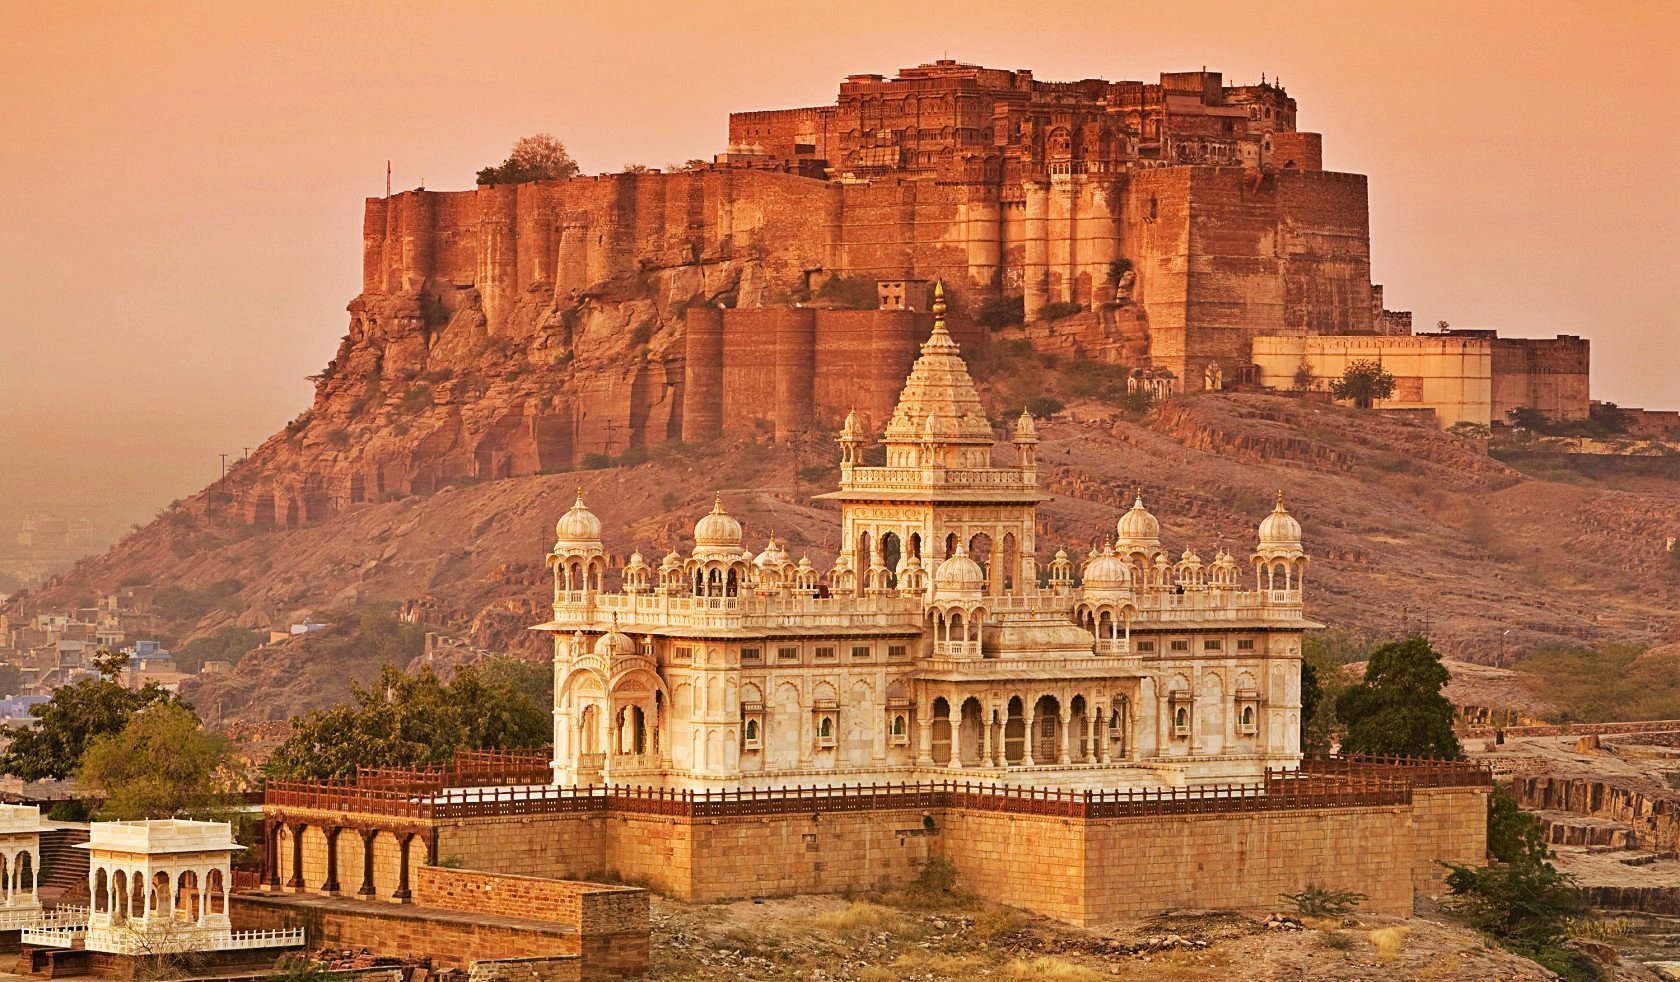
[{"x": 1080, "y": 858}]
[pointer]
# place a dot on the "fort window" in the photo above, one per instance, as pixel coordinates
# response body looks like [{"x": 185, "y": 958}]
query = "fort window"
[
  {"x": 825, "y": 651},
  {"x": 750, "y": 654},
  {"x": 1213, "y": 644},
  {"x": 897, "y": 651},
  {"x": 787, "y": 654},
  {"x": 860, "y": 651},
  {"x": 1145, "y": 646},
  {"x": 1248, "y": 712},
  {"x": 1181, "y": 722},
  {"x": 900, "y": 731},
  {"x": 1180, "y": 644},
  {"x": 825, "y": 731},
  {"x": 749, "y": 735},
  {"x": 682, "y": 653},
  {"x": 1245, "y": 644}
]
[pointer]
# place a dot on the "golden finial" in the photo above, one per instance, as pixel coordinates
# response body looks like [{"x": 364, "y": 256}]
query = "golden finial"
[
  {"x": 939, "y": 300},
  {"x": 1280, "y": 499}
]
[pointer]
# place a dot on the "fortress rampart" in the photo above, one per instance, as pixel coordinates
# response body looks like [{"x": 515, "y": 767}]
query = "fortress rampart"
[{"x": 1087, "y": 858}]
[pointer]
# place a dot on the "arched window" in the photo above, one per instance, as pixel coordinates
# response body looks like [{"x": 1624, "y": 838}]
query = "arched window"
[
  {"x": 752, "y": 730},
  {"x": 825, "y": 729},
  {"x": 1248, "y": 716},
  {"x": 891, "y": 553},
  {"x": 1181, "y": 718},
  {"x": 898, "y": 726}
]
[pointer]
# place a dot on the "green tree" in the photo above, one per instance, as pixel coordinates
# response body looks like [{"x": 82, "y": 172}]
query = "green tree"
[
  {"x": 1513, "y": 835},
  {"x": 1304, "y": 376},
  {"x": 1001, "y": 312},
  {"x": 1363, "y": 382},
  {"x": 161, "y": 764},
  {"x": 74, "y": 717},
  {"x": 1532, "y": 420},
  {"x": 1519, "y": 897},
  {"x": 413, "y": 721},
  {"x": 11, "y": 679},
  {"x": 539, "y": 157},
  {"x": 1398, "y": 708}
]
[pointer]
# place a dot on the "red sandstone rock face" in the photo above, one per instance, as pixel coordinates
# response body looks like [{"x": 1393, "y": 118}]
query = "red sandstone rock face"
[{"x": 514, "y": 330}]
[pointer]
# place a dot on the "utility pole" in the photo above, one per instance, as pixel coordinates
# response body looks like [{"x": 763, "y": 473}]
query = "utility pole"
[{"x": 224, "y": 465}]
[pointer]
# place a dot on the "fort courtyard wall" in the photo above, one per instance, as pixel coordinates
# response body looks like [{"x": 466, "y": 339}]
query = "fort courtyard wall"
[{"x": 1043, "y": 852}]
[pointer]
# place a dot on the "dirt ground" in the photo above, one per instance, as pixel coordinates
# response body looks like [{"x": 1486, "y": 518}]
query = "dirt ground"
[{"x": 885, "y": 938}]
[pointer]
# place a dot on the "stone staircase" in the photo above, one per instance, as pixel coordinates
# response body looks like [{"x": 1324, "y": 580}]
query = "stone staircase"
[{"x": 64, "y": 868}]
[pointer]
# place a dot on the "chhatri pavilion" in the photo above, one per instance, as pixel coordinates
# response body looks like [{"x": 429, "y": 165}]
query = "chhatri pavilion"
[{"x": 936, "y": 646}]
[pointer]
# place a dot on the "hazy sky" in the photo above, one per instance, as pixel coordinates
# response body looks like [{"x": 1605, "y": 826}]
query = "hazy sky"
[{"x": 181, "y": 184}]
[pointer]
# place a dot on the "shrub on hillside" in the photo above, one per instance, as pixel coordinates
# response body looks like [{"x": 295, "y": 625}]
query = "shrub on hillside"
[{"x": 1000, "y": 312}]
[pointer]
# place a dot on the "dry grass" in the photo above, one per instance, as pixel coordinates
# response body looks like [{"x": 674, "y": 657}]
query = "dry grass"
[
  {"x": 862, "y": 918},
  {"x": 1388, "y": 941},
  {"x": 1599, "y": 928},
  {"x": 997, "y": 922},
  {"x": 921, "y": 964},
  {"x": 1336, "y": 940},
  {"x": 1050, "y": 968}
]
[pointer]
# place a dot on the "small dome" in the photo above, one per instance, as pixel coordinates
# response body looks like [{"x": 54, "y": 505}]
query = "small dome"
[
  {"x": 636, "y": 559},
  {"x": 851, "y": 428},
  {"x": 671, "y": 561},
  {"x": 1061, "y": 555},
  {"x": 717, "y": 531},
  {"x": 1107, "y": 572},
  {"x": 614, "y": 644},
  {"x": 1024, "y": 428},
  {"x": 1280, "y": 529},
  {"x": 773, "y": 554},
  {"x": 958, "y": 573},
  {"x": 1137, "y": 527},
  {"x": 578, "y": 527},
  {"x": 805, "y": 564}
]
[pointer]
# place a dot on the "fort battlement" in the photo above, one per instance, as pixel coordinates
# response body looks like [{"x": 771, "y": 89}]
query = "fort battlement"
[{"x": 1084, "y": 856}]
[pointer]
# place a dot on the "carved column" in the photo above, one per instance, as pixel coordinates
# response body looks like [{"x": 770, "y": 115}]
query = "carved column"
[
  {"x": 1031, "y": 734},
  {"x": 403, "y": 893},
  {"x": 924, "y": 736},
  {"x": 986, "y": 738},
  {"x": 271, "y": 853},
  {"x": 331, "y": 884},
  {"x": 368, "y": 835},
  {"x": 295, "y": 881},
  {"x": 1064, "y": 753}
]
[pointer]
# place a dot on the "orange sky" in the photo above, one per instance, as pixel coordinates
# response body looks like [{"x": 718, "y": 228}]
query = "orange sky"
[{"x": 181, "y": 186}]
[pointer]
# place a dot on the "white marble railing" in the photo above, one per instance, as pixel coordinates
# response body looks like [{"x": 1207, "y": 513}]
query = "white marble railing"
[
  {"x": 922, "y": 477},
  {"x": 52, "y": 937}
]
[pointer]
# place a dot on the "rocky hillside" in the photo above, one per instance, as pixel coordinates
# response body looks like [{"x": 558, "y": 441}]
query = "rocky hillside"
[{"x": 1407, "y": 528}]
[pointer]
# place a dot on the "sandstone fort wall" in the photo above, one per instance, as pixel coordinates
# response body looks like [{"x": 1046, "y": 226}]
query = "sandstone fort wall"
[
  {"x": 1134, "y": 867},
  {"x": 1085, "y": 870}
]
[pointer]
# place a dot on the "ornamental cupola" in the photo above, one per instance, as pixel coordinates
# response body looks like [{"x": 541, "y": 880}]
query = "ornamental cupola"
[
  {"x": 717, "y": 535},
  {"x": 1280, "y": 534},
  {"x": 578, "y": 530},
  {"x": 1137, "y": 530},
  {"x": 1107, "y": 574},
  {"x": 958, "y": 577}
]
